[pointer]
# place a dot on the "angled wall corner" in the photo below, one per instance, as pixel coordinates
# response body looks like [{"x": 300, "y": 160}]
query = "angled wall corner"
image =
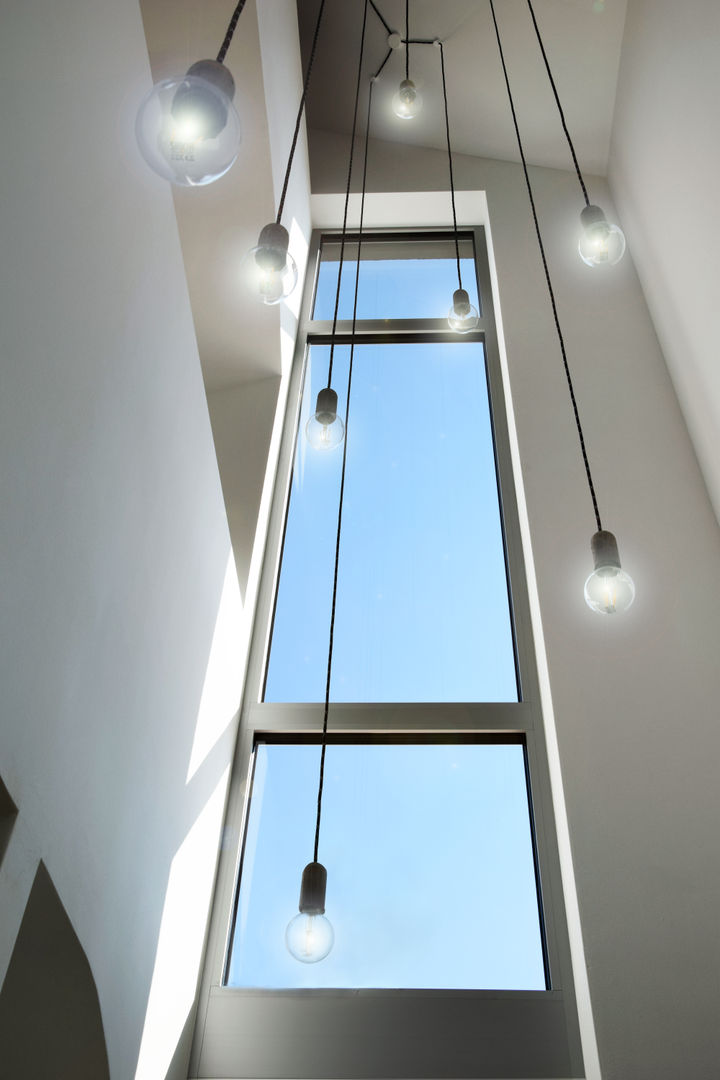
[{"x": 50, "y": 1020}]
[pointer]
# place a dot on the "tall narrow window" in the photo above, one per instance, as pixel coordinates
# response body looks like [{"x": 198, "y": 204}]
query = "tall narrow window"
[{"x": 437, "y": 834}]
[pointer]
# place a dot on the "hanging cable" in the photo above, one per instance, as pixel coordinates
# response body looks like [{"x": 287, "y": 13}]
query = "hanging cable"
[
  {"x": 547, "y": 275},
  {"x": 557, "y": 101},
  {"x": 407, "y": 39},
  {"x": 230, "y": 31},
  {"x": 347, "y": 195},
  {"x": 450, "y": 165},
  {"x": 380, "y": 16},
  {"x": 301, "y": 109},
  {"x": 333, "y": 606}
]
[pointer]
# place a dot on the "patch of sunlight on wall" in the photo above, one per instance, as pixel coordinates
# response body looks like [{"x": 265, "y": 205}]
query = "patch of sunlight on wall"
[
  {"x": 182, "y": 934},
  {"x": 220, "y": 698},
  {"x": 299, "y": 251}
]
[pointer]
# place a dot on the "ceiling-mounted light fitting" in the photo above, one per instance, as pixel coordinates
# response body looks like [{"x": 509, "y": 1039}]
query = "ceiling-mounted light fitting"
[
  {"x": 463, "y": 316},
  {"x": 407, "y": 102},
  {"x": 325, "y": 429},
  {"x": 269, "y": 270},
  {"x": 601, "y": 243},
  {"x": 187, "y": 128},
  {"x": 309, "y": 936},
  {"x": 609, "y": 588}
]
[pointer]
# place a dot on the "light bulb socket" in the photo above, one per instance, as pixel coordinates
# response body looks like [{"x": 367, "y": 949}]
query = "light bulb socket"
[
  {"x": 407, "y": 91},
  {"x": 461, "y": 303},
  {"x": 326, "y": 407},
  {"x": 604, "y": 550},
  {"x": 591, "y": 215},
  {"x": 312, "y": 889},
  {"x": 191, "y": 96},
  {"x": 214, "y": 72},
  {"x": 272, "y": 246}
]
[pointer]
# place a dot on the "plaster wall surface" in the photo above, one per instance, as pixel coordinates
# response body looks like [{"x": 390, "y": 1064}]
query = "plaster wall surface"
[
  {"x": 664, "y": 158},
  {"x": 114, "y": 545},
  {"x": 635, "y": 697}
]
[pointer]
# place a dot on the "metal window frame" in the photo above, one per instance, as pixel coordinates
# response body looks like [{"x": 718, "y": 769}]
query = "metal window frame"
[{"x": 392, "y": 1033}]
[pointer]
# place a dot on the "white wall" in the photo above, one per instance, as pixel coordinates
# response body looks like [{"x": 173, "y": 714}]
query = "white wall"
[
  {"x": 114, "y": 547},
  {"x": 664, "y": 163},
  {"x": 635, "y": 698}
]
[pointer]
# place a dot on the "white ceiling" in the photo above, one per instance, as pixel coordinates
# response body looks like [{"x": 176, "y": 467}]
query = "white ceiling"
[
  {"x": 219, "y": 223},
  {"x": 582, "y": 38}
]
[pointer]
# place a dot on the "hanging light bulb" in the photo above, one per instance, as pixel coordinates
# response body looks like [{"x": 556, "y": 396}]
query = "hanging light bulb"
[
  {"x": 601, "y": 243},
  {"x": 187, "y": 128},
  {"x": 609, "y": 588},
  {"x": 325, "y": 429},
  {"x": 463, "y": 316},
  {"x": 407, "y": 102},
  {"x": 309, "y": 936},
  {"x": 269, "y": 270}
]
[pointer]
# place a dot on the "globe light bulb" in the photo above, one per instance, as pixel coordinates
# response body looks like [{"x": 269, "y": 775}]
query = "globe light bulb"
[
  {"x": 324, "y": 430},
  {"x": 407, "y": 102},
  {"x": 269, "y": 270},
  {"x": 309, "y": 936},
  {"x": 601, "y": 243},
  {"x": 187, "y": 128},
  {"x": 608, "y": 589},
  {"x": 462, "y": 317}
]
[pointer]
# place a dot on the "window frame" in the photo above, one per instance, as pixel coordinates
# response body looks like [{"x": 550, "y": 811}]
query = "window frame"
[{"x": 541, "y": 1026}]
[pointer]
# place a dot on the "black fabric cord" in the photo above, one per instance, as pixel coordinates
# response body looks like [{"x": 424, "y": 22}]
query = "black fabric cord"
[
  {"x": 450, "y": 164},
  {"x": 557, "y": 101},
  {"x": 407, "y": 39},
  {"x": 301, "y": 108},
  {"x": 547, "y": 276},
  {"x": 347, "y": 194},
  {"x": 230, "y": 31},
  {"x": 379, "y": 70},
  {"x": 380, "y": 17},
  {"x": 333, "y": 608}
]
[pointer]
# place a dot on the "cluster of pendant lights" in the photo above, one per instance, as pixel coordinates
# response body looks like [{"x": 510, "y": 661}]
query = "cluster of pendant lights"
[{"x": 189, "y": 133}]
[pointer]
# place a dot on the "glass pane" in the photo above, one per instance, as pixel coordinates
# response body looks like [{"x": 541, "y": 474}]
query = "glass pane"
[
  {"x": 412, "y": 280},
  {"x": 422, "y": 605},
  {"x": 431, "y": 879}
]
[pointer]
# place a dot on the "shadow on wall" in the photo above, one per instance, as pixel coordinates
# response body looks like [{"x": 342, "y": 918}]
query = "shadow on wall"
[{"x": 50, "y": 1022}]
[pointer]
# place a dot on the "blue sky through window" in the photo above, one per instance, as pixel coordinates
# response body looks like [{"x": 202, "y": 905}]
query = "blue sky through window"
[
  {"x": 430, "y": 868},
  {"x": 422, "y": 609},
  {"x": 422, "y": 616}
]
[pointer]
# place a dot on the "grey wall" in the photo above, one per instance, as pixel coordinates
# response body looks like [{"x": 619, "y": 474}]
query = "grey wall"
[
  {"x": 113, "y": 536},
  {"x": 635, "y": 697},
  {"x": 664, "y": 162},
  {"x": 242, "y": 421}
]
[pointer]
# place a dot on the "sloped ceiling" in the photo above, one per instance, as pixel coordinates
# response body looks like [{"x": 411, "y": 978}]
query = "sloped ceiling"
[{"x": 583, "y": 39}]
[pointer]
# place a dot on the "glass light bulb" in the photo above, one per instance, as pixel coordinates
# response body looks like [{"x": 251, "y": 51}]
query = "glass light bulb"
[
  {"x": 463, "y": 316},
  {"x": 268, "y": 269},
  {"x": 188, "y": 130},
  {"x": 407, "y": 102},
  {"x": 323, "y": 433},
  {"x": 601, "y": 243},
  {"x": 609, "y": 589},
  {"x": 309, "y": 938}
]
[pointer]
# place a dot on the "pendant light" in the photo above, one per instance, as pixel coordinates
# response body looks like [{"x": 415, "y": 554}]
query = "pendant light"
[
  {"x": 463, "y": 316},
  {"x": 309, "y": 936},
  {"x": 601, "y": 243},
  {"x": 269, "y": 271},
  {"x": 187, "y": 128},
  {"x": 407, "y": 101},
  {"x": 609, "y": 588},
  {"x": 325, "y": 430}
]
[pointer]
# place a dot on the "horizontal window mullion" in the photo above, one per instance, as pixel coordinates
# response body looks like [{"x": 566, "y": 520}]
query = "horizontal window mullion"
[
  {"x": 321, "y": 330},
  {"x": 453, "y": 717}
]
